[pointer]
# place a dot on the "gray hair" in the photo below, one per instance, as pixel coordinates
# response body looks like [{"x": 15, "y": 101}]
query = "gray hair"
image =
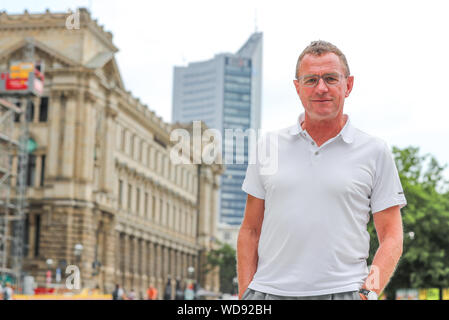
[{"x": 320, "y": 47}]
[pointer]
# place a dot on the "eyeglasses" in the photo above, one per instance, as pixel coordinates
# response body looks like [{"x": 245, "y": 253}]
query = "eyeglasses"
[{"x": 311, "y": 80}]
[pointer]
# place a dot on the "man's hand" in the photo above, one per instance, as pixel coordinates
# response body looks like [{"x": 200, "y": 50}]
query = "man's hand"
[
  {"x": 388, "y": 224},
  {"x": 241, "y": 292}
]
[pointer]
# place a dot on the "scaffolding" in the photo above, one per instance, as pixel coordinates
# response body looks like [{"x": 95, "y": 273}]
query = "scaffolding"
[{"x": 13, "y": 205}]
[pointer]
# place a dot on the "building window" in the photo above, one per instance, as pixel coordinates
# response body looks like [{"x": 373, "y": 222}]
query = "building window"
[
  {"x": 26, "y": 236},
  {"x": 141, "y": 151},
  {"x": 123, "y": 143},
  {"x": 37, "y": 221},
  {"x": 145, "y": 214},
  {"x": 43, "y": 170},
  {"x": 138, "y": 201},
  {"x": 31, "y": 170},
  {"x": 167, "y": 217},
  {"x": 43, "y": 109},
  {"x": 120, "y": 193},
  {"x": 30, "y": 112},
  {"x": 129, "y": 196},
  {"x": 153, "y": 209},
  {"x": 161, "y": 207},
  {"x": 17, "y": 115},
  {"x": 131, "y": 152}
]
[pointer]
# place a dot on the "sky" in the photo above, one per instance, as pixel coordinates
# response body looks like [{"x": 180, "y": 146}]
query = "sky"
[{"x": 396, "y": 50}]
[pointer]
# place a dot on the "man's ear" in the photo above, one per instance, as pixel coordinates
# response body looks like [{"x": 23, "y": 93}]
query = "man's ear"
[
  {"x": 349, "y": 85},
  {"x": 296, "y": 84}
]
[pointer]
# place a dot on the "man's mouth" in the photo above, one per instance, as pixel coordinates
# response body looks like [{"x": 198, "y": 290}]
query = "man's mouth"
[{"x": 321, "y": 100}]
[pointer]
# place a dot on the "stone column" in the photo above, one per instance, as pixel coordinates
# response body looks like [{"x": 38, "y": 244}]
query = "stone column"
[
  {"x": 68, "y": 130},
  {"x": 159, "y": 269},
  {"x": 166, "y": 270},
  {"x": 173, "y": 263},
  {"x": 32, "y": 235},
  {"x": 54, "y": 135},
  {"x": 135, "y": 261},
  {"x": 184, "y": 266},
  {"x": 107, "y": 170},
  {"x": 118, "y": 259},
  {"x": 178, "y": 265},
  {"x": 108, "y": 260},
  {"x": 127, "y": 263},
  {"x": 152, "y": 262},
  {"x": 145, "y": 264}
]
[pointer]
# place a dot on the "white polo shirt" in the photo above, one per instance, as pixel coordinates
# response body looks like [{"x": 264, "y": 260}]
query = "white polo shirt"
[{"x": 314, "y": 237}]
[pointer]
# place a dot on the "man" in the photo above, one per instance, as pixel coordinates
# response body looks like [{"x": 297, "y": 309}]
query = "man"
[
  {"x": 118, "y": 293},
  {"x": 8, "y": 292},
  {"x": 151, "y": 293},
  {"x": 304, "y": 233}
]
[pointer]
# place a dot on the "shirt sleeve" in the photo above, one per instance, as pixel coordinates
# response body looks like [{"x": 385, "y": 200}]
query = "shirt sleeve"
[
  {"x": 252, "y": 184},
  {"x": 387, "y": 189}
]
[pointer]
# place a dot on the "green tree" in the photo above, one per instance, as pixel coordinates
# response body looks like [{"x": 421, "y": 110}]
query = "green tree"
[
  {"x": 425, "y": 260},
  {"x": 225, "y": 258}
]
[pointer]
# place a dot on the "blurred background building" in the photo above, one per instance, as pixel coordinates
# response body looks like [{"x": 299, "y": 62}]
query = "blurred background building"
[
  {"x": 224, "y": 92},
  {"x": 102, "y": 192}
]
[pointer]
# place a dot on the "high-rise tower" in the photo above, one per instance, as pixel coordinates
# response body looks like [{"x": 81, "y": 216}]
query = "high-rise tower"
[{"x": 225, "y": 93}]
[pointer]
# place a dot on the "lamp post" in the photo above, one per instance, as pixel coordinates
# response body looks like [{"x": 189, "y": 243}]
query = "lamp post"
[
  {"x": 78, "y": 252},
  {"x": 191, "y": 271},
  {"x": 49, "y": 263},
  {"x": 235, "y": 286},
  {"x": 190, "y": 289}
]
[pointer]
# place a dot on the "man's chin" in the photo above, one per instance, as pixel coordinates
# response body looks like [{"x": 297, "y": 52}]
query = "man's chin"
[{"x": 323, "y": 115}]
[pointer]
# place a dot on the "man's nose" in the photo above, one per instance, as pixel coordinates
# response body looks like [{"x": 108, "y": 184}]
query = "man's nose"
[{"x": 321, "y": 86}]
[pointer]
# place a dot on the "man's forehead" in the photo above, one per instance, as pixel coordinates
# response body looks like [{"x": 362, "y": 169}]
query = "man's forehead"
[{"x": 328, "y": 62}]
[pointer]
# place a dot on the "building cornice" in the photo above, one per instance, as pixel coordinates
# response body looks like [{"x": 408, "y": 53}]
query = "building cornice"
[{"x": 48, "y": 20}]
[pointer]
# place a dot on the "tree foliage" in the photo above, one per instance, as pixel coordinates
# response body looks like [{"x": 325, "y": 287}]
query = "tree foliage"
[
  {"x": 225, "y": 258},
  {"x": 425, "y": 259}
]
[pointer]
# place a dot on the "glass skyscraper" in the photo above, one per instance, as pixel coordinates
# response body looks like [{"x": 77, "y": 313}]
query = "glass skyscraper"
[{"x": 225, "y": 93}]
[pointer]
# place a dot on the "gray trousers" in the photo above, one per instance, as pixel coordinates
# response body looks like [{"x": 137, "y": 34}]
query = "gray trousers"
[{"x": 251, "y": 294}]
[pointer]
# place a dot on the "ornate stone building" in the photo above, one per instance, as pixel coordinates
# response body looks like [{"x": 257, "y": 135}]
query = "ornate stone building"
[{"x": 101, "y": 175}]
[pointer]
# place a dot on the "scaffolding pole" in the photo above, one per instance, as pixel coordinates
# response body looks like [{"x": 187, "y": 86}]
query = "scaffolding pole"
[{"x": 13, "y": 205}]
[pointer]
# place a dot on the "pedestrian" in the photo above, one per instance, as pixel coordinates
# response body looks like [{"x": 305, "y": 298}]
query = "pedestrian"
[
  {"x": 189, "y": 294},
  {"x": 304, "y": 233},
  {"x": 168, "y": 289},
  {"x": 118, "y": 293},
  {"x": 8, "y": 292},
  {"x": 132, "y": 295},
  {"x": 151, "y": 293},
  {"x": 179, "y": 293}
]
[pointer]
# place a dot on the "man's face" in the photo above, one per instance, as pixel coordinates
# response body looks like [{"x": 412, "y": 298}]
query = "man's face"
[{"x": 323, "y": 102}]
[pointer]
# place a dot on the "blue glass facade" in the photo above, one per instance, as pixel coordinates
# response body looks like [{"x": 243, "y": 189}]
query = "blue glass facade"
[
  {"x": 225, "y": 93},
  {"x": 236, "y": 115}
]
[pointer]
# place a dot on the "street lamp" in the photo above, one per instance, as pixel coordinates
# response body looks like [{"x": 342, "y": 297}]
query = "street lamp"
[
  {"x": 190, "y": 290},
  {"x": 49, "y": 263},
  {"x": 235, "y": 286},
  {"x": 191, "y": 270},
  {"x": 78, "y": 251}
]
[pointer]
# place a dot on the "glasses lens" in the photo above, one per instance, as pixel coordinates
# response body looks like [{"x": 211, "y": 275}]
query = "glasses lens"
[
  {"x": 310, "y": 81},
  {"x": 331, "y": 79}
]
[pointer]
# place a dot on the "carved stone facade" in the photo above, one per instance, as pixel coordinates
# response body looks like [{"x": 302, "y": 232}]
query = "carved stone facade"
[{"x": 101, "y": 173}]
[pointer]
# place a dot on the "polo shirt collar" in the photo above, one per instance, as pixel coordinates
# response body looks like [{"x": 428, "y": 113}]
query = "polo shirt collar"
[{"x": 347, "y": 133}]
